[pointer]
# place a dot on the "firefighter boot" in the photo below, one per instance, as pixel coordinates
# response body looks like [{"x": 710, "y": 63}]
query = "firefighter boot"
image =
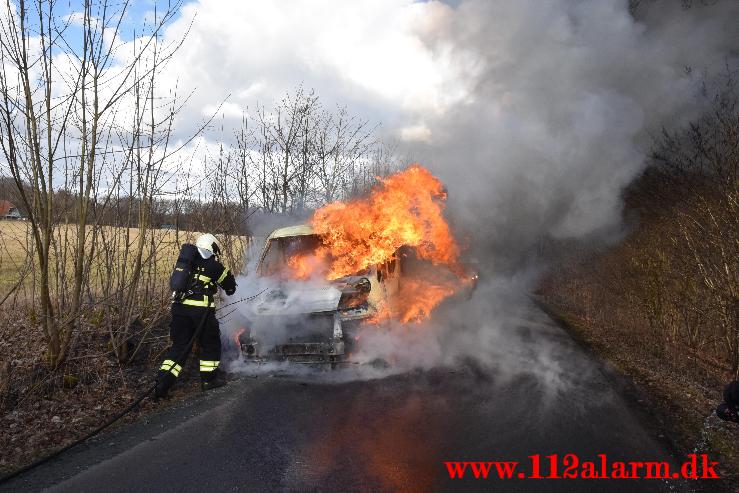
[
  {"x": 164, "y": 381},
  {"x": 213, "y": 382}
]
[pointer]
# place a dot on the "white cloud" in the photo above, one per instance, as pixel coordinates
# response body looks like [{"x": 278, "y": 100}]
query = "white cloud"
[
  {"x": 368, "y": 54},
  {"x": 227, "y": 109},
  {"x": 416, "y": 133}
]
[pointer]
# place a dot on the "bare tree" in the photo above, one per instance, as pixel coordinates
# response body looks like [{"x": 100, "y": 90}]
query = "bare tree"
[
  {"x": 343, "y": 143},
  {"x": 62, "y": 96}
]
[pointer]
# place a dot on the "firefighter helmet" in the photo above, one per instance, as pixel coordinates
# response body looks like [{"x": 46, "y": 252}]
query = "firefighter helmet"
[{"x": 208, "y": 245}]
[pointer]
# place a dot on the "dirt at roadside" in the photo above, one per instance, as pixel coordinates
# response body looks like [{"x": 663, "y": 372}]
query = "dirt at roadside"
[
  {"x": 681, "y": 407},
  {"x": 43, "y": 411}
]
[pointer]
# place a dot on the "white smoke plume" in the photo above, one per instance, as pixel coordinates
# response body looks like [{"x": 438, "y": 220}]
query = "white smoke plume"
[
  {"x": 562, "y": 99},
  {"x": 559, "y": 102}
]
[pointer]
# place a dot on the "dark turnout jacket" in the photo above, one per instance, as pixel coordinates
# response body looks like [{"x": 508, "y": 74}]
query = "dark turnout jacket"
[{"x": 207, "y": 275}]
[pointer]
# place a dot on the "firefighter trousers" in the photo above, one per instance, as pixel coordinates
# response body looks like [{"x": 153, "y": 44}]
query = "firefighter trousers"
[{"x": 185, "y": 322}]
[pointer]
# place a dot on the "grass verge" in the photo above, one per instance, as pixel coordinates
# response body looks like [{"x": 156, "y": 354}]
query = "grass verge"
[{"x": 681, "y": 407}]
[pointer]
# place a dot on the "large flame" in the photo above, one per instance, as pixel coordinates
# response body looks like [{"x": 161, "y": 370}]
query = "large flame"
[
  {"x": 403, "y": 210},
  {"x": 304, "y": 266}
]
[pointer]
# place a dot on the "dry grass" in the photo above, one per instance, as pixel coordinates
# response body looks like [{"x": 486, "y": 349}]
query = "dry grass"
[
  {"x": 42, "y": 409},
  {"x": 111, "y": 247},
  {"x": 13, "y": 251},
  {"x": 93, "y": 383},
  {"x": 678, "y": 402}
]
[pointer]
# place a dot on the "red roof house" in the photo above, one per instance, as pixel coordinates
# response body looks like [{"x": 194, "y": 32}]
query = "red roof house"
[{"x": 9, "y": 211}]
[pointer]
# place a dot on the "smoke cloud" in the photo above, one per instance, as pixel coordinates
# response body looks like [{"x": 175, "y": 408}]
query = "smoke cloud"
[
  {"x": 549, "y": 118},
  {"x": 562, "y": 99}
]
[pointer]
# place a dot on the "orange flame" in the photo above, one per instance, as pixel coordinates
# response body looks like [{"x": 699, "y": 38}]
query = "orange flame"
[
  {"x": 403, "y": 210},
  {"x": 237, "y": 337},
  {"x": 301, "y": 266},
  {"x": 417, "y": 298}
]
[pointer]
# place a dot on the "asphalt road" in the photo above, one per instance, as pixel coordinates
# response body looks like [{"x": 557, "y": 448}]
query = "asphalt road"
[{"x": 313, "y": 432}]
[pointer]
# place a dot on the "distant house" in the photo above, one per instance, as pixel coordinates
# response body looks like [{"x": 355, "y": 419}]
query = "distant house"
[{"x": 9, "y": 211}]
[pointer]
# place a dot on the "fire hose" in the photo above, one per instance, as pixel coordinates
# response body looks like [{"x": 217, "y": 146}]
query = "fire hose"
[{"x": 121, "y": 414}]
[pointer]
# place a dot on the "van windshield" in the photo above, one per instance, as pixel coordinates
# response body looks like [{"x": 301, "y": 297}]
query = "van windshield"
[
  {"x": 281, "y": 250},
  {"x": 297, "y": 257}
]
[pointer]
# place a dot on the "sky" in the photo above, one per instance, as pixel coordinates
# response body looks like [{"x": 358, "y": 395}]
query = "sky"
[
  {"x": 535, "y": 113},
  {"x": 369, "y": 55}
]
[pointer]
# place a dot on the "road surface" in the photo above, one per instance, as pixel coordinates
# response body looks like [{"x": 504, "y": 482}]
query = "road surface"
[{"x": 312, "y": 432}]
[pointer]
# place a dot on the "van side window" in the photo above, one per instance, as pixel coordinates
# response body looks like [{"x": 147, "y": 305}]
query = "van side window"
[{"x": 273, "y": 258}]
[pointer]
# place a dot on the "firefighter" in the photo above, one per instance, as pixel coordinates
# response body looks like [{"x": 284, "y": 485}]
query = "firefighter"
[
  {"x": 190, "y": 308},
  {"x": 729, "y": 409}
]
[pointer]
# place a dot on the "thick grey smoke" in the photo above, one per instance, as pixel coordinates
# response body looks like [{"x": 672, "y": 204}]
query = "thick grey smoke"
[{"x": 563, "y": 98}]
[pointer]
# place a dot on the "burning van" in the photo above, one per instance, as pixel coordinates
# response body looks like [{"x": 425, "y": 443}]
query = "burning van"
[
  {"x": 303, "y": 317},
  {"x": 389, "y": 256}
]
